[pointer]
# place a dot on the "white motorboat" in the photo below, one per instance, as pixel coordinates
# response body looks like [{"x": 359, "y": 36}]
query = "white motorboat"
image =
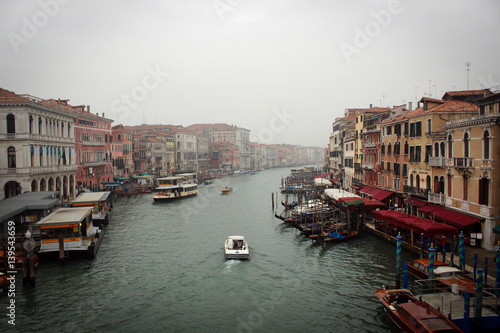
[{"x": 236, "y": 247}]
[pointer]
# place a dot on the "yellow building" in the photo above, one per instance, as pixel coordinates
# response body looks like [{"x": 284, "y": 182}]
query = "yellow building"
[{"x": 473, "y": 171}]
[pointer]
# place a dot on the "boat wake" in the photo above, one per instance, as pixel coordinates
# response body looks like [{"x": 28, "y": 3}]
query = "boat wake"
[{"x": 229, "y": 266}]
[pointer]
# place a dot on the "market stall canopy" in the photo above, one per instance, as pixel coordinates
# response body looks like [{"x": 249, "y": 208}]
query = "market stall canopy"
[
  {"x": 382, "y": 194},
  {"x": 322, "y": 182}
]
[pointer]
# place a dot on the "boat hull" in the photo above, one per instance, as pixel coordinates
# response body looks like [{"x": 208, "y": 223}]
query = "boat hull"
[
  {"x": 237, "y": 256},
  {"x": 161, "y": 198}
]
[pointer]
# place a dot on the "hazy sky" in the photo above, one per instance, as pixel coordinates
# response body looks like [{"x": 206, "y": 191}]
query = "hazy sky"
[{"x": 284, "y": 69}]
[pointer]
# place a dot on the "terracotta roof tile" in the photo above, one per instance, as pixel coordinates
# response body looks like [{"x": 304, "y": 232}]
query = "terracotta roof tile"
[{"x": 454, "y": 106}]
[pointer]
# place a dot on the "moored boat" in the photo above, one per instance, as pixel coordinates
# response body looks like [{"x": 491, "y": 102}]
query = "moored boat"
[
  {"x": 18, "y": 263},
  {"x": 412, "y": 315},
  {"x": 69, "y": 232},
  {"x": 101, "y": 203},
  {"x": 443, "y": 273},
  {"x": 236, "y": 247}
]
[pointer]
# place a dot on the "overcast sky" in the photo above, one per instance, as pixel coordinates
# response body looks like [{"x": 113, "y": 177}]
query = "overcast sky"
[{"x": 285, "y": 69}]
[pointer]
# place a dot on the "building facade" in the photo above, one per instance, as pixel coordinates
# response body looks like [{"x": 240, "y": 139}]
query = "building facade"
[{"x": 37, "y": 141}]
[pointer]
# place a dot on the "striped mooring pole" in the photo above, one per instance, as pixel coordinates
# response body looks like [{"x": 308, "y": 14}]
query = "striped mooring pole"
[
  {"x": 398, "y": 261},
  {"x": 461, "y": 252}
]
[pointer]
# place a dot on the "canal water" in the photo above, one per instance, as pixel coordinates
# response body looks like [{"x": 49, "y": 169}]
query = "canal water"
[{"x": 161, "y": 268}]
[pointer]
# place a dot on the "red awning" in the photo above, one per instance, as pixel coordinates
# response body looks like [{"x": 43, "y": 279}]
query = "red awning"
[
  {"x": 357, "y": 187},
  {"x": 417, "y": 203},
  {"x": 455, "y": 218},
  {"x": 426, "y": 226},
  {"x": 365, "y": 189},
  {"x": 428, "y": 209},
  {"x": 388, "y": 215},
  {"x": 372, "y": 204},
  {"x": 382, "y": 194},
  {"x": 373, "y": 191}
]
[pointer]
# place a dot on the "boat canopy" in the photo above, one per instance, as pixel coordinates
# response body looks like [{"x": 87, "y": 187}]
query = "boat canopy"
[{"x": 236, "y": 237}]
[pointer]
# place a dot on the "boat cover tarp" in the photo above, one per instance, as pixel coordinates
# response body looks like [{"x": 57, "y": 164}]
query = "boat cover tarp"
[{"x": 336, "y": 235}]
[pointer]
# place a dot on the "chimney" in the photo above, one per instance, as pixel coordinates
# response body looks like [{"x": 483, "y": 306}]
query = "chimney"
[
  {"x": 371, "y": 106},
  {"x": 88, "y": 108},
  {"x": 410, "y": 106},
  {"x": 103, "y": 115}
]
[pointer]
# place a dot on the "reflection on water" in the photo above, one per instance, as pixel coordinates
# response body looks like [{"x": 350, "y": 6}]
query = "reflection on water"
[{"x": 161, "y": 267}]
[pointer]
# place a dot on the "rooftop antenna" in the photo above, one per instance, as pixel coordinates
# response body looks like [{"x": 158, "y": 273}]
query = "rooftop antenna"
[
  {"x": 416, "y": 96},
  {"x": 435, "y": 92},
  {"x": 467, "y": 68},
  {"x": 430, "y": 92}
]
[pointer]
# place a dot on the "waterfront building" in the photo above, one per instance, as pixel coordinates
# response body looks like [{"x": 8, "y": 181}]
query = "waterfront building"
[
  {"x": 93, "y": 146},
  {"x": 348, "y": 151},
  {"x": 221, "y": 132},
  {"x": 121, "y": 152},
  {"x": 139, "y": 154},
  {"x": 203, "y": 151},
  {"x": 37, "y": 141},
  {"x": 256, "y": 162},
  {"x": 224, "y": 156},
  {"x": 473, "y": 172},
  {"x": 341, "y": 127},
  {"x": 186, "y": 148},
  {"x": 156, "y": 156}
]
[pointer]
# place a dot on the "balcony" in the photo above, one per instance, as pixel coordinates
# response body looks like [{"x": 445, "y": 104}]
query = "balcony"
[
  {"x": 93, "y": 143},
  {"x": 371, "y": 145},
  {"x": 38, "y": 170},
  {"x": 357, "y": 166},
  {"x": 368, "y": 165},
  {"x": 36, "y": 137},
  {"x": 94, "y": 164},
  {"x": 463, "y": 162},
  {"x": 422, "y": 192},
  {"x": 438, "y": 162},
  {"x": 437, "y": 198}
]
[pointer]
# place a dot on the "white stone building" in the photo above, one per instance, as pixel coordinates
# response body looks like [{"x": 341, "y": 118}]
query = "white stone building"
[{"x": 37, "y": 145}]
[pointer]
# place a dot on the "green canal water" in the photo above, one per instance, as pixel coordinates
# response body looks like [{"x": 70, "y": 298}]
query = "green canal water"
[{"x": 161, "y": 268}]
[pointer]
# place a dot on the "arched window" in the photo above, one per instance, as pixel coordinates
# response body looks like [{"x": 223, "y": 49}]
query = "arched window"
[
  {"x": 436, "y": 184},
  {"x": 428, "y": 182},
  {"x": 40, "y": 125},
  {"x": 441, "y": 185},
  {"x": 11, "y": 124},
  {"x": 407, "y": 147},
  {"x": 382, "y": 150},
  {"x": 389, "y": 150},
  {"x": 417, "y": 180},
  {"x": 466, "y": 145},
  {"x": 465, "y": 188},
  {"x": 484, "y": 190},
  {"x": 436, "y": 149},
  {"x": 31, "y": 124},
  {"x": 486, "y": 145},
  {"x": 11, "y": 151},
  {"x": 450, "y": 146},
  {"x": 443, "y": 153}
]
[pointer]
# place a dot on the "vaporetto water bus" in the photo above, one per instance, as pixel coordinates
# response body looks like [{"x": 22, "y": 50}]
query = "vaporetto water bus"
[
  {"x": 73, "y": 228},
  {"x": 173, "y": 188}
]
